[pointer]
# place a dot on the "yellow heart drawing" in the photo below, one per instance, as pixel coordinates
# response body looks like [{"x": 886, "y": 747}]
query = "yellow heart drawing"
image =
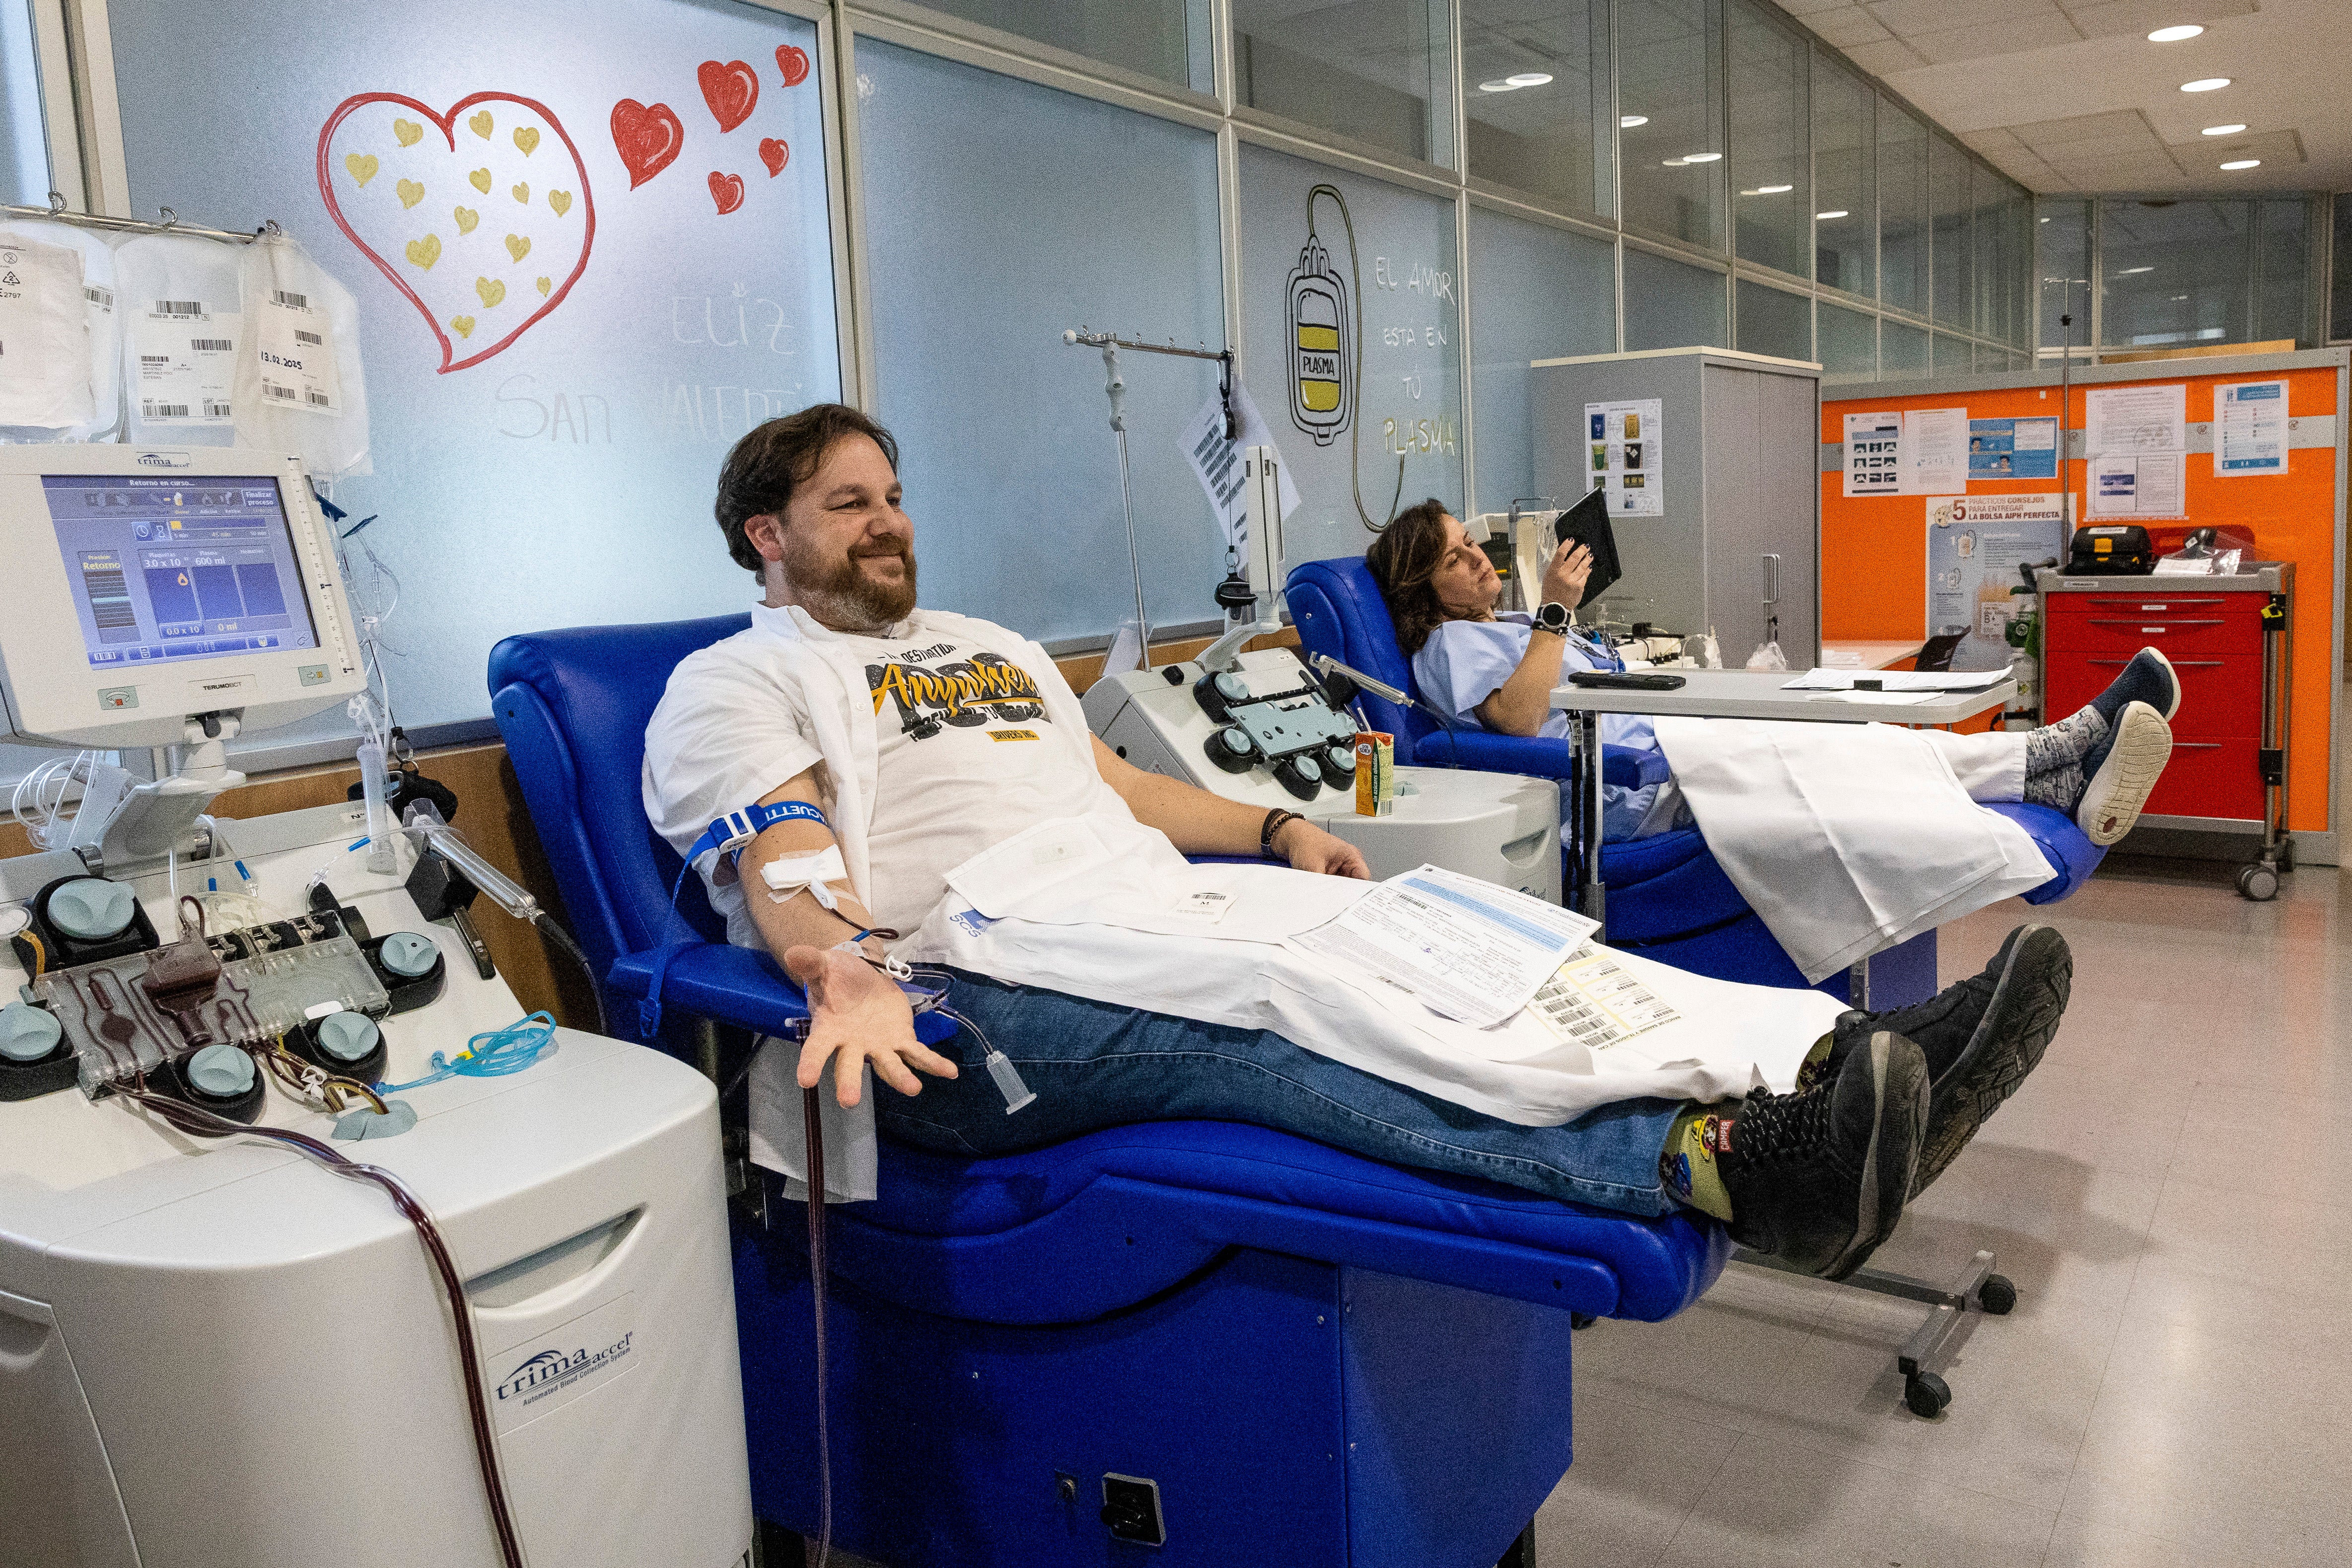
[
  {"x": 522, "y": 192},
  {"x": 560, "y": 201},
  {"x": 362, "y": 165},
  {"x": 466, "y": 218},
  {"x": 481, "y": 125},
  {"x": 545, "y": 284},
  {"x": 518, "y": 246},
  {"x": 426, "y": 252},
  {"x": 407, "y": 131},
  {"x": 411, "y": 193},
  {"x": 526, "y": 138},
  {"x": 480, "y": 180},
  {"x": 464, "y": 325},
  {"x": 490, "y": 289}
]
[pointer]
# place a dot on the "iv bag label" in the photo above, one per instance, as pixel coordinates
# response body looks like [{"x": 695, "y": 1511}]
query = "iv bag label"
[
  {"x": 551, "y": 1369},
  {"x": 184, "y": 355},
  {"x": 297, "y": 352}
]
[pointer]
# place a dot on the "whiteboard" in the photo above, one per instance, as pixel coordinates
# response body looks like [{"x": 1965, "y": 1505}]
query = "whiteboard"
[{"x": 590, "y": 246}]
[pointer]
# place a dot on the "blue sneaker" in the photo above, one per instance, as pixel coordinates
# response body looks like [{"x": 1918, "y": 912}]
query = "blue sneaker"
[
  {"x": 2149, "y": 678},
  {"x": 2138, "y": 748}
]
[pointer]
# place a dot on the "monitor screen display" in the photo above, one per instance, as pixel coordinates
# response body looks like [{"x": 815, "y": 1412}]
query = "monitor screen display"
[{"x": 179, "y": 568}]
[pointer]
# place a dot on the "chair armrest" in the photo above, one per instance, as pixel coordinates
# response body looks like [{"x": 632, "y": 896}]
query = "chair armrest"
[
  {"x": 1543, "y": 756},
  {"x": 735, "y": 986}
]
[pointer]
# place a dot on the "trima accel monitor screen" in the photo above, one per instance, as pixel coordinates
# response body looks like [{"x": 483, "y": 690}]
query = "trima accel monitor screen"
[{"x": 178, "y": 568}]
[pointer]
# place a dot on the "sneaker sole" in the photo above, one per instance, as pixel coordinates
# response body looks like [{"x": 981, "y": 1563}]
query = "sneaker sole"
[
  {"x": 2111, "y": 803},
  {"x": 1892, "y": 1159},
  {"x": 2017, "y": 1028}
]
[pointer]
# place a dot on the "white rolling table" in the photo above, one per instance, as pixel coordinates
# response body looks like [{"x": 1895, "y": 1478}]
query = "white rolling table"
[
  {"x": 1729, "y": 694},
  {"x": 1750, "y": 694}
]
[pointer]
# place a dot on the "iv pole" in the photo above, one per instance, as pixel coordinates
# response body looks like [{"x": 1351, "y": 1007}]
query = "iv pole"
[{"x": 1114, "y": 388}]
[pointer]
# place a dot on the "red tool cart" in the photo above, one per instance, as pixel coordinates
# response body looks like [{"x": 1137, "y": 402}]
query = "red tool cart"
[{"x": 2224, "y": 636}]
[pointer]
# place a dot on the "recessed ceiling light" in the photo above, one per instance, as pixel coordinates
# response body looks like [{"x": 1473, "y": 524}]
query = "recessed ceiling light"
[
  {"x": 1627, "y": 122},
  {"x": 2244, "y": 164},
  {"x": 2221, "y": 130},
  {"x": 2127, "y": 271},
  {"x": 1701, "y": 157},
  {"x": 2175, "y": 34},
  {"x": 1674, "y": 162},
  {"x": 2176, "y": 298},
  {"x": 1772, "y": 190},
  {"x": 1824, "y": 217},
  {"x": 1497, "y": 85},
  {"x": 2205, "y": 84},
  {"x": 1529, "y": 78}
]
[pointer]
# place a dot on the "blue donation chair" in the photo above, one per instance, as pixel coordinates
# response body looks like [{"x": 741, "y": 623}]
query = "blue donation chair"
[
  {"x": 1320, "y": 1360},
  {"x": 1667, "y": 896}
]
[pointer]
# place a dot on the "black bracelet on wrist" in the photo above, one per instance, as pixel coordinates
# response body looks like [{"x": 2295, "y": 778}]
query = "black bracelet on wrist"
[{"x": 1272, "y": 824}]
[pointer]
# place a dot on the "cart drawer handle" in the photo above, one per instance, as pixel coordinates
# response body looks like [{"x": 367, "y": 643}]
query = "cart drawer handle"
[
  {"x": 2195, "y": 745},
  {"x": 2177, "y": 664}
]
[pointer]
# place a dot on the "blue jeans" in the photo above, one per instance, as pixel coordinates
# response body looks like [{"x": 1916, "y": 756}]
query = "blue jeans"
[{"x": 1094, "y": 1065}]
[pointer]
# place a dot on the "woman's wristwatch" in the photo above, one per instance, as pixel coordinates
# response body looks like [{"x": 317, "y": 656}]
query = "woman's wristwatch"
[{"x": 1552, "y": 616}]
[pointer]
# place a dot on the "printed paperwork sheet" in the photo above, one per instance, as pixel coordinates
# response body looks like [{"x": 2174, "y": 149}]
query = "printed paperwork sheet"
[
  {"x": 1918, "y": 680},
  {"x": 1468, "y": 949},
  {"x": 1594, "y": 1001}
]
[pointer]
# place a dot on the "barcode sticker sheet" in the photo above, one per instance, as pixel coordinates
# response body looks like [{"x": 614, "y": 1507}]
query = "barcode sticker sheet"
[
  {"x": 297, "y": 351},
  {"x": 184, "y": 351},
  {"x": 1595, "y": 1002}
]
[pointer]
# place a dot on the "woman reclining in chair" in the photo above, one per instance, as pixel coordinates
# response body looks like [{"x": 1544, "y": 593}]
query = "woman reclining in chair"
[{"x": 1498, "y": 672}]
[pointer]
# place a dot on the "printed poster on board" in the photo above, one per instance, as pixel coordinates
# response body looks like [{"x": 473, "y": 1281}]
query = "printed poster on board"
[
  {"x": 2249, "y": 429},
  {"x": 1873, "y": 454},
  {"x": 1976, "y": 548},
  {"x": 1628, "y": 455},
  {"x": 2012, "y": 449}
]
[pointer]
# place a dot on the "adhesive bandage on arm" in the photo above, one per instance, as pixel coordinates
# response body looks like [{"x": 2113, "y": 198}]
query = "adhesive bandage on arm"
[{"x": 789, "y": 874}]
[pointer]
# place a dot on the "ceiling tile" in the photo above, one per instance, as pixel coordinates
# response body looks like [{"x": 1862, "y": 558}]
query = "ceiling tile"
[
  {"x": 1846, "y": 26},
  {"x": 2113, "y": 18},
  {"x": 1987, "y": 39},
  {"x": 2124, "y": 174},
  {"x": 1999, "y": 139},
  {"x": 1809, "y": 7},
  {"x": 1904, "y": 18},
  {"x": 2043, "y": 134},
  {"x": 1885, "y": 60},
  {"x": 2208, "y": 153}
]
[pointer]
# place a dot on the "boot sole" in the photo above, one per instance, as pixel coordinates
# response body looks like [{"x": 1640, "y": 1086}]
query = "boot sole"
[
  {"x": 2111, "y": 803},
  {"x": 2017, "y": 1028},
  {"x": 1892, "y": 1159}
]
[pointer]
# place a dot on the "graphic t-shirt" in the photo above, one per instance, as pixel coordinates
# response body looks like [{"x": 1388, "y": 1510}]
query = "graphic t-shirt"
[
  {"x": 965, "y": 754},
  {"x": 961, "y": 763}
]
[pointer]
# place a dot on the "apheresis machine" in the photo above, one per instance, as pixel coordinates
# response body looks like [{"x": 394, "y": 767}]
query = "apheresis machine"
[
  {"x": 312, "y": 1248},
  {"x": 1265, "y": 729}
]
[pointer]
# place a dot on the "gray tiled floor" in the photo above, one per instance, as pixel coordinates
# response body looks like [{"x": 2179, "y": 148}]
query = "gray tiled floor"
[{"x": 2171, "y": 1192}]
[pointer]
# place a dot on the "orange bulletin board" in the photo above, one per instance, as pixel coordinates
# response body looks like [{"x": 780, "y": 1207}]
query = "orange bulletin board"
[{"x": 1874, "y": 549}]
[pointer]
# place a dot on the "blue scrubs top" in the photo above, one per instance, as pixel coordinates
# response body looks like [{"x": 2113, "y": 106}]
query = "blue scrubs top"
[{"x": 1466, "y": 662}]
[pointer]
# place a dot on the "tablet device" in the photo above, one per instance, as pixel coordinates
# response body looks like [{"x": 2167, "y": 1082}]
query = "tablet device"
[{"x": 1588, "y": 523}]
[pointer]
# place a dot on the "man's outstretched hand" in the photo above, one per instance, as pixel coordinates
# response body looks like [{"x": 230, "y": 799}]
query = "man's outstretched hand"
[
  {"x": 858, "y": 1014},
  {"x": 1310, "y": 848}
]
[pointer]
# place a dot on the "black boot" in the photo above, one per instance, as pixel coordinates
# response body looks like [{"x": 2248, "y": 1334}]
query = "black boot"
[
  {"x": 1981, "y": 1038},
  {"x": 1818, "y": 1179}
]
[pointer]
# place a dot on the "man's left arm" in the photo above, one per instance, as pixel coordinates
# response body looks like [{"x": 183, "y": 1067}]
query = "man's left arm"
[{"x": 1200, "y": 822}]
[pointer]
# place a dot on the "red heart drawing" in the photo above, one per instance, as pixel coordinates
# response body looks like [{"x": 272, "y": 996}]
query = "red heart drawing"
[
  {"x": 446, "y": 124},
  {"x": 775, "y": 154},
  {"x": 727, "y": 190},
  {"x": 646, "y": 139},
  {"x": 793, "y": 62},
  {"x": 729, "y": 90}
]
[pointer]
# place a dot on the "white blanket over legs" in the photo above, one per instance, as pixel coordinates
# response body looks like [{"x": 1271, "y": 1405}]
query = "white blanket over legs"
[
  {"x": 1845, "y": 838},
  {"x": 1093, "y": 907}
]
